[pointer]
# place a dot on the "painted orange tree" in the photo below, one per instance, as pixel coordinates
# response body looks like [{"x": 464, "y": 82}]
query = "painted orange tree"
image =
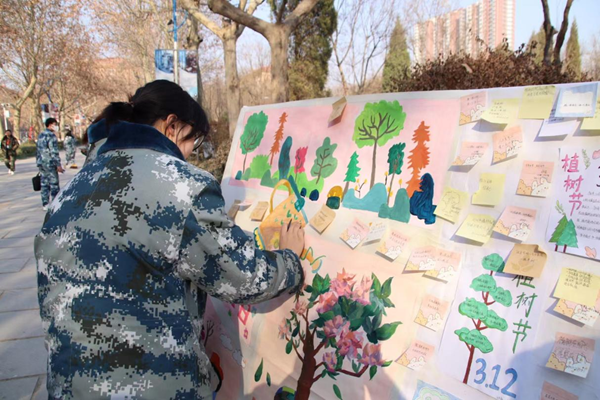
[
  {"x": 278, "y": 136},
  {"x": 344, "y": 338},
  {"x": 418, "y": 158},
  {"x": 480, "y": 313}
]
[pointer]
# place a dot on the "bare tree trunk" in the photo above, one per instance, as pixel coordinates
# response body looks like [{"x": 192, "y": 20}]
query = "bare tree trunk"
[
  {"x": 16, "y": 130},
  {"x": 279, "y": 42},
  {"x": 560, "y": 39},
  {"x": 232, "y": 82},
  {"x": 549, "y": 32}
]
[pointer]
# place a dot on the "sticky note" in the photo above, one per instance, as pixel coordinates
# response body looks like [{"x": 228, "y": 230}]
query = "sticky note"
[
  {"x": 491, "y": 189},
  {"x": 592, "y": 123},
  {"x": 355, "y": 233},
  {"x": 422, "y": 259},
  {"x": 338, "y": 109},
  {"x": 572, "y": 354},
  {"x": 526, "y": 260},
  {"x": 579, "y": 312},
  {"x": 537, "y": 102},
  {"x": 417, "y": 355},
  {"x": 446, "y": 265},
  {"x": 502, "y": 111},
  {"x": 392, "y": 246},
  {"x": 472, "y": 107},
  {"x": 577, "y": 286},
  {"x": 477, "y": 227},
  {"x": 451, "y": 204},
  {"x": 516, "y": 222},
  {"x": 556, "y": 126},
  {"x": 553, "y": 392},
  {"x": 376, "y": 232},
  {"x": 507, "y": 143},
  {"x": 577, "y": 101},
  {"x": 235, "y": 208},
  {"x": 470, "y": 153},
  {"x": 432, "y": 312},
  {"x": 322, "y": 219},
  {"x": 259, "y": 211},
  {"x": 536, "y": 178}
]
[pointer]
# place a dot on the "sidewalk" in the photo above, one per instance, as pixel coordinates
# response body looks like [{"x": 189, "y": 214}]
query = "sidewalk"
[{"x": 22, "y": 351}]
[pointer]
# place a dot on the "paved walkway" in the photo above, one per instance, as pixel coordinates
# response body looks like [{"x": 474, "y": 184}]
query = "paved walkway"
[{"x": 22, "y": 351}]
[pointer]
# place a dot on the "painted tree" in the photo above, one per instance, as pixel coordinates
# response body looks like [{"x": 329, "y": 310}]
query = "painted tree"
[
  {"x": 480, "y": 313},
  {"x": 278, "y": 136},
  {"x": 253, "y": 134},
  {"x": 300, "y": 160},
  {"x": 395, "y": 162},
  {"x": 325, "y": 163},
  {"x": 376, "y": 125},
  {"x": 284, "y": 158},
  {"x": 565, "y": 233},
  {"x": 421, "y": 202},
  {"x": 573, "y": 56},
  {"x": 352, "y": 173},
  {"x": 346, "y": 331},
  {"x": 419, "y": 157}
]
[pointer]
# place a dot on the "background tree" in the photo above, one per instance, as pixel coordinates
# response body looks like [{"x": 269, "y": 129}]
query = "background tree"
[
  {"x": 376, "y": 125},
  {"x": 573, "y": 56},
  {"x": 395, "y": 162},
  {"x": 352, "y": 173},
  {"x": 325, "y": 163},
  {"x": 419, "y": 157},
  {"x": 253, "y": 134},
  {"x": 397, "y": 60},
  {"x": 550, "y": 31},
  {"x": 310, "y": 50},
  {"x": 536, "y": 45},
  {"x": 277, "y": 34},
  {"x": 278, "y": 136}
]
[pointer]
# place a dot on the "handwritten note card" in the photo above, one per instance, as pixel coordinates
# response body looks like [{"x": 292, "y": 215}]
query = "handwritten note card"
[
  {"x": 393, "y": 245},
  {"x": 555, "y": 126},
  {"x": 502, "y": 111},
  {"x": 259, "y": 211},
  {"x": 417, "y": 355},
  {"x": 432, "y": 312},
  {"x": 472, "y": 107},
  {"x": 592, "y": 123},
  {"x": 491, "y": 190},
  {"x": 577, "y": 101},
  {"x": 553, "y": 392},
  {"x": 572, "y": 354},
  {"x": 579, "y": 312},
  {"x": 537, "y": 102},
  {"x": 451, "y": 203},
  {"x": 470, "y": 153},
  {"x": 536, "y": 178},
  {"x": 577, "y": 286},
  {"x": 507, "y": 143},
  {"x": 477, "y": 227},
  {"x": 322, "y": 219},
  {"x": 355, "y": 233},
  {"x": 446, "y": 265},
  {"x": 338, "y": 109},
  {"x": 526, "y": 260},
  {"x": 376, "y": 232},
  {"x": 422, "y": 259},
  {"x": 516, "y": 222}
]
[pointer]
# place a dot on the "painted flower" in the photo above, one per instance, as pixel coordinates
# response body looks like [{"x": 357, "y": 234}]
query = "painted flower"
[
  {"x": 336, "y": 326},
  {"x": 301, "y": 307},
  {"x": 349, "y": 343},
  {"x": 284, "y": 329},
  {"x": 326, "y": 302},
  {"x": 342, "y": 285},
  {"x": 362, "y": 291},
  {"x": 372, "y": 355},
  {"x": 330, "y": 361}
]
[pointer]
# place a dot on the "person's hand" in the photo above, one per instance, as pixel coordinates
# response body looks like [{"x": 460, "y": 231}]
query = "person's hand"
[
  {"x": 60, "y": 169},
  {"x": 292, "y": 238}
]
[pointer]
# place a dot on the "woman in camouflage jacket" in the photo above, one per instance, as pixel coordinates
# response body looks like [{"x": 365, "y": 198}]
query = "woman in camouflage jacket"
[{"x": 131, "y": 248}]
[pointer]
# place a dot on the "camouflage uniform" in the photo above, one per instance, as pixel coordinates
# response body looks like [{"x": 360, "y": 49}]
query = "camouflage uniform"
[
  {"x": 126, "y": 258},
  {"x": 97, "y": 135},
  {"x": 70, "y": 150},
  {"x": 47, "y": 159},
  {"x": 10, "y": 144}
]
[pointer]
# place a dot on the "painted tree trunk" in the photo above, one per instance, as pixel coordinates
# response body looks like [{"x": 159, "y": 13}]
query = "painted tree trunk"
[
  {"x": 309, "y": 367},
  {"x": 244, "y": 166},
  {"x": 232, "y": 82},
  {"x": 374, "y": 165},
  {"x": 345, "y": 189},
  {"x": 468, "y": 371},
  {"x": 390, "y": 191},
  {"x": 279, "y": 42}
]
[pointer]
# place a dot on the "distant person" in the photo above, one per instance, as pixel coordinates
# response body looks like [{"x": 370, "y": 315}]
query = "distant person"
[
  {"x": 10, "y": 144},
  {"x": 70, "y": 143},
  {"x": 130, "y": 251},
  {"x": 48, "y": 161}
]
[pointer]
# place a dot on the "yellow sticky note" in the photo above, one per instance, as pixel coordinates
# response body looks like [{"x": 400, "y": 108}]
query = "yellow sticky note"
[
  {"x": 526, "y": 260},
  {"x": 338, "y": 109},
  {"x": 322, "y": 219},
  {"x": 502, "y": 111},
  {"x": 592, "y": 123},
  {"x": 477, "y": 227},
  {"x": 491, "y": 189},
  {"x": 577, "y": 286},
  {"x": 537, "y": 102},
  {"x": 259, "y": 212},
  {"x": 450, "y": 204}
]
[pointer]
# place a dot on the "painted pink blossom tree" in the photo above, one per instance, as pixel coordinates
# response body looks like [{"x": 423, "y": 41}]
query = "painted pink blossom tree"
[{"x": 344, "y": 338}]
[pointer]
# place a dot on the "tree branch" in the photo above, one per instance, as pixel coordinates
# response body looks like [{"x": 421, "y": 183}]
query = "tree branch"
[
  {"x": 355, "y": 374},
  {"x": 560, "y": 39},
  {"x": 203, "y": 19},
  {"x": 303, "y": 8},
  {"x": 320, "y": 346},
  {"x": 295, "y": 348},
  {"x": 226, "y": 9}
]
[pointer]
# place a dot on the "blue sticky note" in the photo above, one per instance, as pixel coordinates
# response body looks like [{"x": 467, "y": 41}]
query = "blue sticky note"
[{"x": 577, "y": 101}]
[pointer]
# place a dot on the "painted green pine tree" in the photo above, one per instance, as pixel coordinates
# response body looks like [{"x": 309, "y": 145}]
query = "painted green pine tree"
[
  {"x": 352, "y": 173},
  {"x": 395, "y": 162},
  {"x": 480, "y": 313},
  {"x": 568, "y": 238}
]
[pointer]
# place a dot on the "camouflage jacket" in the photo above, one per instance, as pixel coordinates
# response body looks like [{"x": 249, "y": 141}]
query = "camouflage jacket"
[
  {"x": 70, "y": 143},
  {"x": 128, "y": 253},
  {"x": 97, "y": 135},
  {"x": 47, "y": 156}
]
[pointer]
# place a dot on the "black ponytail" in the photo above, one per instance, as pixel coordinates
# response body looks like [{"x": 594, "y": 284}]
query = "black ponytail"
[{"x": 156, "y": 101}]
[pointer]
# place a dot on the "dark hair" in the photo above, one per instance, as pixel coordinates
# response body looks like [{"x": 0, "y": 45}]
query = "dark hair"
[
  {"x": 50, "y": 121},
  {"x": 156, "y": 101},
  {"x": 6, "y": 131},
  {"x": 69, "y": 133}
]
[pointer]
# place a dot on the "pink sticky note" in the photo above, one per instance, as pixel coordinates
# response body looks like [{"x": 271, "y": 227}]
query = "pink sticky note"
[
  {"x": 516, "y": 222},
  {"x": 553, "y": 392},
  {"x": 507, "y": 143},
  {"x": 472, "y": 107},
  {"x": 355, "y": 233},
  {"x": 536, "y": 178},
  {"x": 417, "y": 355},
  {"x": 572, "y": 354},
  {"x": 470, "y": 153},
  {"x": 432, "y": 312}
]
